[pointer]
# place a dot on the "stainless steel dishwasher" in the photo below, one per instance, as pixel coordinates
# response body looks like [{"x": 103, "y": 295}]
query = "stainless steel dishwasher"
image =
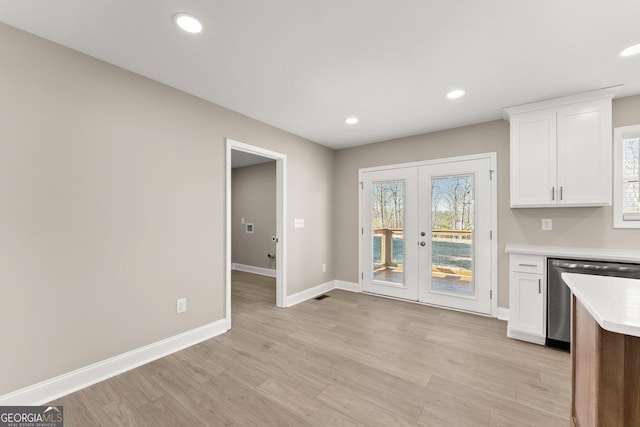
[{"x": 559, "y": 295}]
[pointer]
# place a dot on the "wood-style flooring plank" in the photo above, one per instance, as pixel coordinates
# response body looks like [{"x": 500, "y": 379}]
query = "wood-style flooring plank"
[
  {"x": 361, "y": 409},
  {"x": 76, "y": 413},
  {"x": 347, "y": 360}
]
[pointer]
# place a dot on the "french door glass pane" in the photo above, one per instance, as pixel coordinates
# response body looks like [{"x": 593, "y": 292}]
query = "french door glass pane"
[
  {"x": 452, "y": 234},
  {"x": 388, "y": 215}
]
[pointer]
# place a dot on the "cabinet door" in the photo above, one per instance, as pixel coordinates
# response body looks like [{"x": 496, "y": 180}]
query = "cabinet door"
[
  {"x": 526, "y": 303},
  {"x": 584, "y": 153},
  {"x": 533, "y": 158}
]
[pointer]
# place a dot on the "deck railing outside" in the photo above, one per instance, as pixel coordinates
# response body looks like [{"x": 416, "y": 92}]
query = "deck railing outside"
[{"x": 388, "y": 244}]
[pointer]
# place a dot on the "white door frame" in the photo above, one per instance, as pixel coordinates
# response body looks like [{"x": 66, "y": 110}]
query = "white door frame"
[
  {"x": 494, "y": 215},
  {"x": 281, "y": 215}
]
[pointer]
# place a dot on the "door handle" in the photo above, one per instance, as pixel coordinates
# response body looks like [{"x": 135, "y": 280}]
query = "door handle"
[
  {"x": 539, "y": 286},
  {"x": 553, "y": 193},
  {"x": 560, "y": 192}
]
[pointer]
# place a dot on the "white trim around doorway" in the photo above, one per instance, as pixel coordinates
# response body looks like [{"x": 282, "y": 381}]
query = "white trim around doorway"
[{"x": 281, "y": 215}]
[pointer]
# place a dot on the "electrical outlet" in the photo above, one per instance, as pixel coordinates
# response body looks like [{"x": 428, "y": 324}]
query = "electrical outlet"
[
  {"x": 547, "y": 225},
  {"x": 181, "y": 305},
  {"x": 324, "y": 268}
]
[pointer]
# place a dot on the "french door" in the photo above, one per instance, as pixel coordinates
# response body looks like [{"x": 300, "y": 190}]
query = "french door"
[{"x": 426, "y": 232}]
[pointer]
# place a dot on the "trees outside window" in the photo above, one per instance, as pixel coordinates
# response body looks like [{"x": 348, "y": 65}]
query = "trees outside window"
[
  {"x": 388, "y": 209},
  {"x": 452, "y": 199}
]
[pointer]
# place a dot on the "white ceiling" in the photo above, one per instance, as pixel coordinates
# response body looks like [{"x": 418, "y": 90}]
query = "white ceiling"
[{"x": 305, "y": 65}]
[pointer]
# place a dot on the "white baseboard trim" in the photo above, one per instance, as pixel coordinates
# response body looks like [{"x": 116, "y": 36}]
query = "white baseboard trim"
[
  {"x": 347, "y": 286},
  {"x": 503, "y": 313},
  {"x": 255, "y": 270},
  {"x": 70, "y": 382},
  {"x": 307, "y": 294},
  {"x": 524, "y": 336}
]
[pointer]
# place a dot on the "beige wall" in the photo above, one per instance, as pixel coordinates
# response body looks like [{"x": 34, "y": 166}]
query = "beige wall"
[
  {"x": 586, "y": 227},
  {"x": 112, "y": 207},
  {"x": 253, "y": 190}
]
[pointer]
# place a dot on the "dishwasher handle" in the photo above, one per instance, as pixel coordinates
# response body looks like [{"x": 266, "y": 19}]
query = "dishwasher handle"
[{"x": 570, "y": 265}]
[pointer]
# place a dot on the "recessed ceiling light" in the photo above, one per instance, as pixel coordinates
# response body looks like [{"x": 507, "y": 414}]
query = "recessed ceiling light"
[
  {"x": 455, "y": 94},
  {"x": 631, "y": 50},
  {"x": 187, "y": 22},
  {"x": 351, "y": 120}
]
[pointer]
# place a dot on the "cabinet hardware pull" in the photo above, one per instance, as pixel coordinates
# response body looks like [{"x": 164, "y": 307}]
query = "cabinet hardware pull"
[
  {"x": 560, "y": 193},
  {"x": 539, "y": 286},
  {"x": 553, "y": 193},
  {"x": 527, "y": 265}
]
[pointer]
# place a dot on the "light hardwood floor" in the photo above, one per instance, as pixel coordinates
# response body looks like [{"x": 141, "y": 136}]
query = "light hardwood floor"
[{"x": 347, "y": 360}]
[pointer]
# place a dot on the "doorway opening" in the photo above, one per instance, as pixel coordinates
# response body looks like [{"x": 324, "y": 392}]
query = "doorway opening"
[
  {"x": 427, "y": 232},
  {"x": 249, "y": 153}
]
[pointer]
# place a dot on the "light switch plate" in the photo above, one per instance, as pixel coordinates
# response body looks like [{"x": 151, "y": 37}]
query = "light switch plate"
[
  {"x": 547, "y": 224},
  {"x": 181, "y": 305}
]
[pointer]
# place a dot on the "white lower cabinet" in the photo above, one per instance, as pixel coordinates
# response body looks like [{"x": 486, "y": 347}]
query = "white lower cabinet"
[{"x": 527, "y": 298}]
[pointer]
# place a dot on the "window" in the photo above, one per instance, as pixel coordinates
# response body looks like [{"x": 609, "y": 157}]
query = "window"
[{"x": 626, "y": 203}]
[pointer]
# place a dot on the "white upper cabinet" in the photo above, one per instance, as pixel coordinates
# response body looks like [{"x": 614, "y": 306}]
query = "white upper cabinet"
[
  {"x": 561, "y": 151},
  {"x": 584, "y": 153},
  {"x": 533, "y": 158}
]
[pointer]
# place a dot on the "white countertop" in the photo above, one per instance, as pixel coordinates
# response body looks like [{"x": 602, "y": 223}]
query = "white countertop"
[
  {"x": 614, "y": 302},
  {"x": 593, "y": 254}
]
